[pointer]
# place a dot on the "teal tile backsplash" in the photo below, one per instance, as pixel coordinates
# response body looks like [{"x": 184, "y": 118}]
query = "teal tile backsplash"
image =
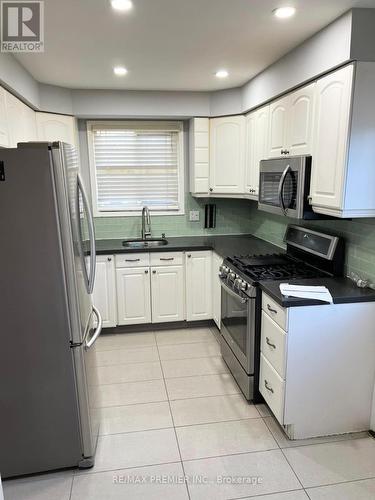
[
  {"x": 232, "y": 217},
  {"x": 359, "y": 235},
  {"x": 236, "y": 216},
  {"x": 243, "y": 217}
]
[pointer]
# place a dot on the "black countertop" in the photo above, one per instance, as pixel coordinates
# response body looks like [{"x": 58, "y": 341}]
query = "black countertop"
[
  {"x": 222, "y": 245},
  {"x": 343, "y": 291}
]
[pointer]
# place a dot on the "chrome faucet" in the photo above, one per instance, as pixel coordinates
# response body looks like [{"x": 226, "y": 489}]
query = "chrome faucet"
[{"x": 146, "y": 223}]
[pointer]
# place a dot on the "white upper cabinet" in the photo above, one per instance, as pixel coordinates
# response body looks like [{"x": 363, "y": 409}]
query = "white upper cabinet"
[
  {"x": 52, "y": 127},
  {"x": 257, "y": 124},
  {"x": 4, "y": 125},
  {"x": 227, "y": 155},
  {"x": 278, "y": 123},
  {"x": 331, "y": 132},
  {"x": 168, "y": 298},
  {"x": 198, "y": 285},
  {"x": 290, "y": 123},
  {"x": 21, "y": 121},
  {"x": 104, "y": 294},
  {"x": 199, "y": 142},
  {"x": 300, "y": 121}
]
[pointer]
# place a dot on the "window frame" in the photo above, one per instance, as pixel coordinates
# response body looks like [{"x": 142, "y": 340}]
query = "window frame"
[{"x": 142, "y": 125}]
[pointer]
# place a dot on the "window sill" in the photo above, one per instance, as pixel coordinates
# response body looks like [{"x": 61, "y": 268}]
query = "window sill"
[{"x": 136, "y": 214}]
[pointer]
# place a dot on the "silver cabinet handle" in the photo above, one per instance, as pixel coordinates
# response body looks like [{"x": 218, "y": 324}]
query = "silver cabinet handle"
[
  {"x": 132, "y": 260},
  {"x": 268, "y": 342},
  {"x": 271, "y": 310},
  {"x": 268, "y": 387},
  {"x": 96, "y": 334},
  {"x": 165, "y": 258}
]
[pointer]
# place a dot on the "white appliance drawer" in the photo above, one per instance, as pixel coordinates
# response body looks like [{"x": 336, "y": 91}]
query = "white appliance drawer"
[
  {"x": 167, "y": 258},
  {"x": 276, "y": 312},
  {"x": 273, "y": 344},
  {"x": 272, "y": 388},
  {"x": 133, "y": 260}
]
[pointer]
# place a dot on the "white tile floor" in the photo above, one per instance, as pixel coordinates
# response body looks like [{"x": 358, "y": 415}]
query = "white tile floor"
[{"x": 169, "y": 408}]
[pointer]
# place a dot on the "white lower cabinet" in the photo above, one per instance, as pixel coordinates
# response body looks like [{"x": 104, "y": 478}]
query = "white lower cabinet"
[
  {"x": 309, "y": 367},
  {"x": 216, "y": 289},
  {"x": 133, "y": 295},
  {"x": 167, "y": 293},
  {"x": 104, "y": 294},
  {"x": 198, "y": 285}
]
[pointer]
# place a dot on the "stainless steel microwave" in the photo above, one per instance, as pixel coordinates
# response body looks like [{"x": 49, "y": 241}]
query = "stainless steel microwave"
[{"x": 284, "y": 186}]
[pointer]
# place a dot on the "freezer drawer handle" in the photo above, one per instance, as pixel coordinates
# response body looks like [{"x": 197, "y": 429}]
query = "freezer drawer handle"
[
  {"x": 271, "y": 310},
  {"x": 91, "y": 342},
  {"x": 268, "y": 342},
  {"x": 268, "y": 387}
]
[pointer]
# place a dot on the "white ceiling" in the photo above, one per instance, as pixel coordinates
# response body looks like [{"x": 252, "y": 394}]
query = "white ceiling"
[{"x": 171, "y": 44}]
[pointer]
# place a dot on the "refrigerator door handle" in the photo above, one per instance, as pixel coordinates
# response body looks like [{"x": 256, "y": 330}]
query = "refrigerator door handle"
[
  {"x": 91, "y": 342},
  {"x": 90, "y": 223}
]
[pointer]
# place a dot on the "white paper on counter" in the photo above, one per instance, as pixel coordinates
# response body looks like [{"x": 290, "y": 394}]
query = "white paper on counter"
[{"x": 306, "y": 292}]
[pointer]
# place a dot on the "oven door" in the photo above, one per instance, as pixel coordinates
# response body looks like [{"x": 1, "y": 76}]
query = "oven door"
[
  {"x": 281, "y": 186},
  {"x": 238, "y": 323}
]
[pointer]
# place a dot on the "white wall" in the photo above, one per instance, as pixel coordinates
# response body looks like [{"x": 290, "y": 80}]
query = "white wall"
[{"x": 327, "y": 49}]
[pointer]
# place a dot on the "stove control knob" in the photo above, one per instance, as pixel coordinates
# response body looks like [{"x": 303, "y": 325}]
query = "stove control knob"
[
  {"x": 244, "y": 286},
  {"x": 223, "y": 270},
  {"x": 232, "y": 275}
]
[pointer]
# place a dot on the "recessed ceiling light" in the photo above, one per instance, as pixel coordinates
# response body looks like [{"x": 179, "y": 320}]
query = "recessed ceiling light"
[
  {"x": 284, "y": 12},
  {"x": 122, "y": 4},
  {"x": 222, "y": 73},
  {"x": 120, "y": 70}
]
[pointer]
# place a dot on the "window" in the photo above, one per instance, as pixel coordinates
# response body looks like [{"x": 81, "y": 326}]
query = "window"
[{"x": 136, "y": 164}]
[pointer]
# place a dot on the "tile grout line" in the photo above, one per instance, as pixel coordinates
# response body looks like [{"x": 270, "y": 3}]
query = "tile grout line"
[
  {"x": 262, "y": 495},
  {"x": 294, "y": 472},
  {"x": 174, "y": 427}
]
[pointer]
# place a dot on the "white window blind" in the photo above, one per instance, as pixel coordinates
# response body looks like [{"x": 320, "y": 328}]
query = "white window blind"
[{"x": 135, "y": 168}]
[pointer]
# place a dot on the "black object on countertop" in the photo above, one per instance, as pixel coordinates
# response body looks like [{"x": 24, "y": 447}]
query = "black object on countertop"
[{"x": 209, "y": 216}]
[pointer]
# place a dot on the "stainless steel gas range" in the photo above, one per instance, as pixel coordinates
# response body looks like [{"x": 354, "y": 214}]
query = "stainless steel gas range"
[{"x": 309, "y": 254}]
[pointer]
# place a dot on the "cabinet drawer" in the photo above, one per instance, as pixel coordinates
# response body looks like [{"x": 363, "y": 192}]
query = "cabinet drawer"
[
  {"x": 271, "y": 386},
  {"x": 273, "y": 344},
  {"x": 167, "y": 259},
  {"x": 277, "y": 313},
  {"x": 133, "y": 260}
]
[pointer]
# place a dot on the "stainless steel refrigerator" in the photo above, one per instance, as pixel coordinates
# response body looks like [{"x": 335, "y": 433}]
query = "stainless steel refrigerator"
[{"x": 48, "y": 324}]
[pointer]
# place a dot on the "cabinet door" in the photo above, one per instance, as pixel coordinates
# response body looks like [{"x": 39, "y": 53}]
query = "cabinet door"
[
  {"x": 104, "y": 294},
  {"x": 257, "y": 124},
  {"x": 278, "y": 125},
  {"x": 227, "y": 155},
  {"x": 198, "y": 285},
  {"x": 300, "y": 121},
  {"x": 216, "y": 289},
  {"x": 167, "y": 285},
  {"x": 21, "y": 121},
  {"x": 331, "y": 130},
  {"x": 133, "y": 296},
  {"x": 4, "y": 125},
  {"x": 53, "y": 127}
]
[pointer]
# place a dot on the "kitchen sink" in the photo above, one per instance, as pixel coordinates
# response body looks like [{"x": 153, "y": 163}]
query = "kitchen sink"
[{"x": 149, "y": 243}]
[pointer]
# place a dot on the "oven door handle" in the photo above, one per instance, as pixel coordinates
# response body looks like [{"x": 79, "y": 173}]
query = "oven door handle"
[
  {"x": 281, "y": 187},
  {"x": 233, "y": 294}
]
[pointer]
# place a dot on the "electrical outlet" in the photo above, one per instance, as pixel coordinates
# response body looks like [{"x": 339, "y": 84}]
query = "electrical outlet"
[{"x": 194, "y": 215}]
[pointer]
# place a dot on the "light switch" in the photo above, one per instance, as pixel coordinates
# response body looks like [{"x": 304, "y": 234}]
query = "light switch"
[{"x": 194, "y": 215}]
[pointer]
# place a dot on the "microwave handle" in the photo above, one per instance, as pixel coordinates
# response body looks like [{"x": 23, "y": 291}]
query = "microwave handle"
[{"x": 281, "y": 187}]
